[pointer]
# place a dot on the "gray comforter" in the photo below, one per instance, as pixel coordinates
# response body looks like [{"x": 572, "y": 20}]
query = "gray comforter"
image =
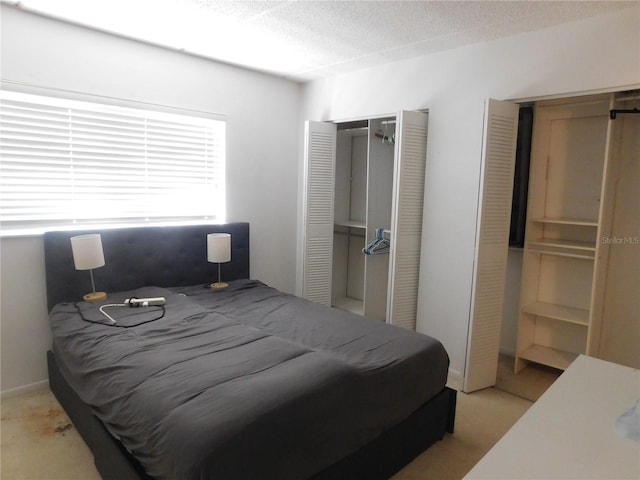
[{"x": 243, "y": 383}]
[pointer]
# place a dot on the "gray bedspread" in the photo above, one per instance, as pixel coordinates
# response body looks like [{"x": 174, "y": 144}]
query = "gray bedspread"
[{"x": 243, "y": 383}]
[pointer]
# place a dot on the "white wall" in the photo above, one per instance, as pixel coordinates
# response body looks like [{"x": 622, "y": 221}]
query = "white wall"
[
  {"x": 597, "y": 53},
  {"x": 509, "y": 331},
  {"x": 262, "y": 155}
]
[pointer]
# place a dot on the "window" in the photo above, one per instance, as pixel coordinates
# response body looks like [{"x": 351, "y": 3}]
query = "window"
[
  {"x": 66, "y": 163},
  {"x": 521, "y": 177}
]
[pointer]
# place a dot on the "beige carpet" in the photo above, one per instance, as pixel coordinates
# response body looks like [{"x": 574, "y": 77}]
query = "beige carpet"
[
  {"x": 530, "y": 383},
  {"x": 39, "y": 443},
  {"x": 482, "y": 418}
]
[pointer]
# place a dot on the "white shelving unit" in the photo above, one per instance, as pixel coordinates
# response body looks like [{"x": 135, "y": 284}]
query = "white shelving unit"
[
  {"x": 581, "y": 261},
  {"x": 559, "y": 306}
]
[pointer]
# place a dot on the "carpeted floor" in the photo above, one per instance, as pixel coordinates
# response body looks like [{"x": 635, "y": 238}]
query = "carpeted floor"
[
  {"x": 38, "y": 442},
  {"x": 482, "y": 418}
]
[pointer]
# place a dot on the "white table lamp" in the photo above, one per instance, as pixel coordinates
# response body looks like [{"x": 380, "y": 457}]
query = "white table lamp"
[
  {"x": 87, "y": 255},
  {"x": 219, "y": 251}
]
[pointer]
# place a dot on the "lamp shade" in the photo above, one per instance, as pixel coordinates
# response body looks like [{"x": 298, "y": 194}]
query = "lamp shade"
[
  {"x": 87, "y": 251},
  {"x": 219, "y": 247}
]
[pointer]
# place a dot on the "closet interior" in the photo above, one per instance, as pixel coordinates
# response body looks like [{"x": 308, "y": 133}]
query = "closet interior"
[
  {"x": 362, "y": 216},
  {"x": 581, "y": 258}
]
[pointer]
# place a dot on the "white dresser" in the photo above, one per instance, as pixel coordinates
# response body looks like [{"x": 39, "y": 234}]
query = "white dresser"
[{"x": 570, "y": 432}]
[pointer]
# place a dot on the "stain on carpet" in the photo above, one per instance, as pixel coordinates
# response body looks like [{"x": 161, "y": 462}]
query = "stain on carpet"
[{"x": 47, "y": 421}]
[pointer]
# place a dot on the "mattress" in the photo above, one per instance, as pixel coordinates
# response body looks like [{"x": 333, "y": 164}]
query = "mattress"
[{"x": 245, "y": 382}]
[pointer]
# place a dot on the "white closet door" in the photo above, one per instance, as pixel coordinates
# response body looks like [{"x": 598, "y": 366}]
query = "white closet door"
[
  {"x": 319, "y": 178},
  {"x": 492, "y": 243},
  {"x": 406, "y": 218}
]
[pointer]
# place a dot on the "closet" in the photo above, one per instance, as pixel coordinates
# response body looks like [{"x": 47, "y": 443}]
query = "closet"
[
  {"x": 581, "y": 258},
  {"x": 362, "y": 214},
  {"x": 581, "y": 255}
]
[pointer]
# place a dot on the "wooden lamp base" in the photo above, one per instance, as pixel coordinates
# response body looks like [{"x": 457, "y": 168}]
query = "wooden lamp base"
[
  {"x": 94, "y": 297},
  {"x": 218, "y": 285}
]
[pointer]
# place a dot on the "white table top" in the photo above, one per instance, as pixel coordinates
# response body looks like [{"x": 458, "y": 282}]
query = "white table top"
[{"x": 569, "y": 433}]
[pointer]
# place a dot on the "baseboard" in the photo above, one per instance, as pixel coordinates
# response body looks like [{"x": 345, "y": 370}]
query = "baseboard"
[
  {"x": 32, "y": 387},
  {"x": 455, "y": 379}
]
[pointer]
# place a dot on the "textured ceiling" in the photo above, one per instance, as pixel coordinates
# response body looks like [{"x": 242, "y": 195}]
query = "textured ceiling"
[{"x": 303, "y": 40}]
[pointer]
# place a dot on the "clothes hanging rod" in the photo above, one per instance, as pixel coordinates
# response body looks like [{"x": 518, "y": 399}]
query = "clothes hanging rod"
[{"x": 613, "y": 113}]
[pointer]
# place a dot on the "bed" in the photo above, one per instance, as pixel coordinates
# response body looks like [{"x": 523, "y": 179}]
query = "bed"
[{"x": 245, "y": 382}]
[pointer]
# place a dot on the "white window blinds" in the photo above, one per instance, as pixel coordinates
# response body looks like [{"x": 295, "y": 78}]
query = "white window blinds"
[{"x": 68, "y": 163}]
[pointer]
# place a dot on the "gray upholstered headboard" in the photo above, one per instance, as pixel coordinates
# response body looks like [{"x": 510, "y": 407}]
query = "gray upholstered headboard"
[{"x": 141, "y": 256}]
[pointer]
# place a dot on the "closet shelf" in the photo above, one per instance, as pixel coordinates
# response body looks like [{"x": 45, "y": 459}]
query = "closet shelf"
[
  {"x": 545, "y": 248},
  {"x": 351, "y": 224},
  {"x": 577, "y": 316},
  {"x": 349, "y": 304},
  {"x": 548, "y": 356},
  {"x": 567, "y": 244},
  {"x": 567, "y": 221},
  {"x": 563, "y": 244}
]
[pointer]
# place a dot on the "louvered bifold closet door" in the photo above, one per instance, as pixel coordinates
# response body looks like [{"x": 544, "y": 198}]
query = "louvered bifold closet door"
[
  {"x": 406, "y": 218},
  {"x": 492, "y": 243},
  {"x": 319, "y": 180}
]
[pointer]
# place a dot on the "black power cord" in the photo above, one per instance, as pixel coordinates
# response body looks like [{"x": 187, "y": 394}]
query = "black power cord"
[{"x": 113, "y": 321}]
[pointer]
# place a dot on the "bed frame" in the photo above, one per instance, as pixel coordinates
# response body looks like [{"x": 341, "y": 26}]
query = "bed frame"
[{"x": 176, "y": 256}]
